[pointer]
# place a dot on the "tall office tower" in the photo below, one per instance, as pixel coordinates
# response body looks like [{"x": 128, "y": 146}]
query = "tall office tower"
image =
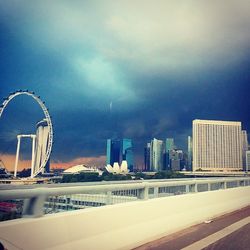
[
  {"x": 127, "y": 153},
  {"x": 113, "y": 151},
  {"x": 169, "y": 146},
  {"x": 177, "y": 160},
  {"x": 42, "y": 139},
  {"x": 184, "y": 162},
  {"x": 244, "y": 147},
  {"x": 247, "y": 160},
  {"x": 190, "y": 153},
  {"x": 147, "y": 157},
  {"x": 174, "y": 160},
  {"x": 156, "y": 155},
  {"x": 217, "y": 145},
  {"x": 180, "y": 155}
]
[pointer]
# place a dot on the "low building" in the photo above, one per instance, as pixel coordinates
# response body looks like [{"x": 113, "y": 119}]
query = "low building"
[{"x": 82, "y": 169}]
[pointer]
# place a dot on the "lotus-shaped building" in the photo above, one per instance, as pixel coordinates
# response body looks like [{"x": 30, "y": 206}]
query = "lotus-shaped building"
[{"x": 117, "y": 169}]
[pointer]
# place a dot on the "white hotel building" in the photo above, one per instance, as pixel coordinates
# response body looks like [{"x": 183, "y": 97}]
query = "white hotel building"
[{"x": 217, "y": 145}]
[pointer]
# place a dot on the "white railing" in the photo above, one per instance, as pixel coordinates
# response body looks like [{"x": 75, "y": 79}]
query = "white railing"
[{"x": 39, "y": 200}]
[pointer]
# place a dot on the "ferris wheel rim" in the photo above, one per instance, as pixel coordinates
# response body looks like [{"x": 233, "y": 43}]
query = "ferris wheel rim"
[{"x": 10, "y": 97}]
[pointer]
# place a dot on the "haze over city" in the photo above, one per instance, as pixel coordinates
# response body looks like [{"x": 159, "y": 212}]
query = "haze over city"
[{"x": 127, "y": 69}]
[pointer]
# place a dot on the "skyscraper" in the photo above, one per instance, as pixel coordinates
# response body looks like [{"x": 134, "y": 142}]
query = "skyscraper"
[
  {"x": 147, "y": 157},
  {"x": 247, "y": 160},
  {"x": 169, "y": 144},
  {"x": 169, "y": 147},
  {"x": 244, "y": 147},
  {"x": 42, "y": 139},
  {"x": 174, "y": 159},
  {"x": 127, "y": 153},
  {"x": 190, "y": 153},
  {"x": 156, "y": 155},
  {"x": 217, "y": 145},
  {"x": 113, "y": 151},
  {"x": 177, "y": 160},
  {"x": 119, "y": 150}
]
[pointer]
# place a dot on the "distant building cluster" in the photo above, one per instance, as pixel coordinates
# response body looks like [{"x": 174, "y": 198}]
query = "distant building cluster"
[
  {"x": 160, "y": 155},
  {"x": 214, "y": 146}
]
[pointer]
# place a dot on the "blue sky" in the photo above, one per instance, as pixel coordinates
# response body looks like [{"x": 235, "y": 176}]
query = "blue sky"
[{"x": 160, "y": 63}]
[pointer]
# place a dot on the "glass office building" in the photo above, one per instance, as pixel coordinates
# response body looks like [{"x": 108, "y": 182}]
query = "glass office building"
[
  {"x": 120, "y": 150},
  {"x": 127, "y": 153},
  {"x": 113, "y": 151}
]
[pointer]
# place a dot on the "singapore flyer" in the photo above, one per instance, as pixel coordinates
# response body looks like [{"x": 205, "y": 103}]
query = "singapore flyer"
[{"x": 47, "y": 118}]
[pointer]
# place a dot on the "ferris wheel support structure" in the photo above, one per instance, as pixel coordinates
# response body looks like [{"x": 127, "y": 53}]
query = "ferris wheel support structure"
[{"x": 47, "y": 116}]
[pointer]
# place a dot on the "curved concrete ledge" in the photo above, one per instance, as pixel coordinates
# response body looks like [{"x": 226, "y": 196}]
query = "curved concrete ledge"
[{"x": 121, "y": 226}]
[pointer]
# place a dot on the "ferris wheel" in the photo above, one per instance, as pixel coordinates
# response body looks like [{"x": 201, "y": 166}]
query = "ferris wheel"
[{"x": 47, "y": 117}]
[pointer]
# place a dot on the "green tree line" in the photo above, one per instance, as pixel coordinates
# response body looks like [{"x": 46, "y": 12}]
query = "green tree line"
[{"x": 89, "y": 177}]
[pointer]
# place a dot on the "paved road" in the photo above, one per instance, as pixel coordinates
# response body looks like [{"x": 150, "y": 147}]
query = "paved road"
[{"x": 240, "y": 239}]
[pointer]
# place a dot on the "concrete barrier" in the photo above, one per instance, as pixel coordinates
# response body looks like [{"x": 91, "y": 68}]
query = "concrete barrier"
[{"x": 122, "y": 226}]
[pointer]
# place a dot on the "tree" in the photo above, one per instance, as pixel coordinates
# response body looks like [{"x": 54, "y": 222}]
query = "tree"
[
  {"x": 25, "y": 172},
  {"x": 168, "y": 175},
  {"x": 81, "y": 177}
]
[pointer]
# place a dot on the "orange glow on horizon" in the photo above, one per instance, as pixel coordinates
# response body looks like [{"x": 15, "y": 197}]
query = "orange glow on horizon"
[
  {"x": 96, "y": 161},
  {"x": 9, "y": 162}
]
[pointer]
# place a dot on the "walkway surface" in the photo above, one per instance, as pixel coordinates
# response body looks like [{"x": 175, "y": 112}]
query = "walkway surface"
[{"x": 230, "y": 231}]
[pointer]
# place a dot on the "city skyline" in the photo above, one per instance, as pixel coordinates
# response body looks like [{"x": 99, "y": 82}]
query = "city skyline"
[
  {"x": 121, "y": 145},
  {"x": 120, "y": 70}
]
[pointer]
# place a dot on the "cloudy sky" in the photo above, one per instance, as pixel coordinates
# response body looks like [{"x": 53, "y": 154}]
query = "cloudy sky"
[{"x": 133, "y": 69}]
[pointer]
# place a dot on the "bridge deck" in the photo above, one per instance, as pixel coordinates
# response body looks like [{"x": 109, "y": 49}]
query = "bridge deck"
[{"x": 190, "y": 237}]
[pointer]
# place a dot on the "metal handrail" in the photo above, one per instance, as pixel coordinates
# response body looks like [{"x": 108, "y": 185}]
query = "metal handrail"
[
  {"x": 36, "y": 197},
  {"x": 53, "y": 191},
  {"x": 56, "y": 191}
]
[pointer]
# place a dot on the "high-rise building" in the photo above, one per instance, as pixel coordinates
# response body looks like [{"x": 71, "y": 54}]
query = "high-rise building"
[
  {"x": 247, "y": 160},
  {"x": 147, "y": 157},
  {"x": 184, "y": 162},
  {"x": 120, "y": 150},
  {"x": 174, "y": 160},
  {"x": 175, "y": 165},
  {"x": 217, "y": 145},
  {"x": 156, "y": 155},
  {"x": 177, "y": 161},
  {"x": 190, "y": 153},
  {"x": 127, "y": 153},
  {"x": 42, "y": 140},
  {"x": 113, "y": 151},
  {"x": 244, "y": 147},
  {"x": 169, "y": 146}
]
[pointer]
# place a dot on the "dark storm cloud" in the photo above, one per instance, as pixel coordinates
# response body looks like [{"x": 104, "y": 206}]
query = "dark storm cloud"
[{"x": 161, "y": 66}]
